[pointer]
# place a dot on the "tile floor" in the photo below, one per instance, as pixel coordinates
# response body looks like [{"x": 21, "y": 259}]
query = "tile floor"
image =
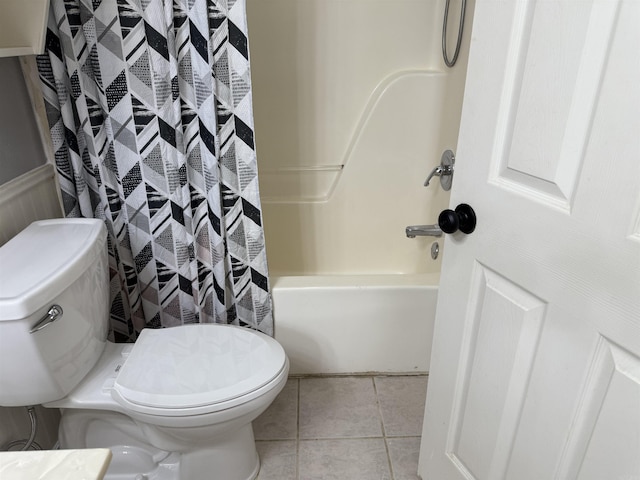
[{"x": 343, "y": 428}]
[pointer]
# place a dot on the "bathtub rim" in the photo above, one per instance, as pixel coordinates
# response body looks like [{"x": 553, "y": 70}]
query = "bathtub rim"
[{"x": 388, "y": 280}]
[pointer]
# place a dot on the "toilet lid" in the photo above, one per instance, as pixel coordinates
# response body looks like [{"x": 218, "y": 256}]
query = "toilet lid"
[{"x": 197, "y": 365}]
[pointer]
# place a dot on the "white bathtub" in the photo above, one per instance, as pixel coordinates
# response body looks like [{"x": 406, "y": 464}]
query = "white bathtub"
[{"x": 355, "y": 323}]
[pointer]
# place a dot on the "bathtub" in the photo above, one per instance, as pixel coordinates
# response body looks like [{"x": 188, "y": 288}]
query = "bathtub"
[{"x": 337, "y": 324}]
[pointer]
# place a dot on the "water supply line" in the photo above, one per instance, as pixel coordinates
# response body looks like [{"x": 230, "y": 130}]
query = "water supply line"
[
  {"x": 30, "y": 443},
  {"x": 452, "y": 62}
]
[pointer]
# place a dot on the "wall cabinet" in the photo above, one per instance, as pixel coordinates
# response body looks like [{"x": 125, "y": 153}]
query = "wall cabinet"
[{"x": 23, "y": 26}]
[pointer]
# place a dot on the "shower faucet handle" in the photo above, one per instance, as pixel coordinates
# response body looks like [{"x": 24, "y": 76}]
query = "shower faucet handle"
[
  {"x": 436, "y": 172},
  {"x": 444, "y": 170}
]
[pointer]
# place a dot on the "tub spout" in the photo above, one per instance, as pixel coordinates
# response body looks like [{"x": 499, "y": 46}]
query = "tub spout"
[{"x": 413, "y": 231}]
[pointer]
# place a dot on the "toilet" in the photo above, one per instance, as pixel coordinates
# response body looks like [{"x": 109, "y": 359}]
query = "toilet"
[{"x": 176, "y": 405}]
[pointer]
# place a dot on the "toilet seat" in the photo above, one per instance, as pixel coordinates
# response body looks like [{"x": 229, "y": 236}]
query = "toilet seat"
[{"x": 196, "y": 369}]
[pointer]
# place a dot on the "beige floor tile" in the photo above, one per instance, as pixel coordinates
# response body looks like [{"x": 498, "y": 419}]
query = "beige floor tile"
[
  {"x": 280, "y": 420},
  {"x": 342, "y": 407},
  {"x": 344, "y": 459},
  {"x": 401, "y": 401},
  {"x": 278, "y": 460},
  {"x": 404, "y": 452}
]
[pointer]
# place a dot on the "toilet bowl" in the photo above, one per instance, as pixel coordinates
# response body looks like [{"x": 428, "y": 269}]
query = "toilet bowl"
[{"x": 177, "y": 404}]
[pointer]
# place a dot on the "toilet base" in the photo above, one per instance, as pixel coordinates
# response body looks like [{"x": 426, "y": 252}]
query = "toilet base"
[
  {"x": 135, "y": 463},
  {"x": 231, "y": 456}
]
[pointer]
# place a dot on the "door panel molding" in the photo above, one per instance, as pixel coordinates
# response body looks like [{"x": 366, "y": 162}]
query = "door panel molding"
[
  {"x": 503, "y": 328},
  {"x": 563, "y": 110},
  {"x": 613, "y": 381}
]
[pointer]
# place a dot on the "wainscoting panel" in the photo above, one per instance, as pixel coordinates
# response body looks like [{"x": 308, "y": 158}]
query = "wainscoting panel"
[{"x": 30, "y": 197}]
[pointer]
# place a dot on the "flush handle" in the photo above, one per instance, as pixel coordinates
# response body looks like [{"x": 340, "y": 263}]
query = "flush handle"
[{"x": 54, "y": 313}]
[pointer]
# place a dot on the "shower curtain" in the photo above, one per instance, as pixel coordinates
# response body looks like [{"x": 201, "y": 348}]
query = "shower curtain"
[{"x": 149, "y": 106}]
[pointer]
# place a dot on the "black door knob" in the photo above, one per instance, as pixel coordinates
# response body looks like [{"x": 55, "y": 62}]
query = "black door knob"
[{"x": 463, "y": 218}]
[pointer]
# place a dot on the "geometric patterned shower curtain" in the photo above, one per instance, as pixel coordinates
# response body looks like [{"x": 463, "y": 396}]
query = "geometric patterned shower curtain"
[{"x": 149, "y": 106}]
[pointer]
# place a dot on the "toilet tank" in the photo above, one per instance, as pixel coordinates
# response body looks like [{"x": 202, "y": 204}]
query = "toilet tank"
[{"x": 60, "y": 264}]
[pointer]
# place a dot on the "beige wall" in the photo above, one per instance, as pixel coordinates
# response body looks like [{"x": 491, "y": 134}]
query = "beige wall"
[
  {"x": 353, "y": 108},
  {"x": 28, "y": 192},
  {"x": 28, "y": 189},
  {"x": 20, "y": 146}
]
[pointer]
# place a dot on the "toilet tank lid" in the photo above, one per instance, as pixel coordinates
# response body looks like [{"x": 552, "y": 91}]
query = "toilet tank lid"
[{"x": 45, "y": 258}]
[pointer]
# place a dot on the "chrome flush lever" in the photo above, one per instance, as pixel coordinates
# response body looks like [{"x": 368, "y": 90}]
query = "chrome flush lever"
[
  {"x": 444, "y": 170},
  {"x": 54, "y": 313}
]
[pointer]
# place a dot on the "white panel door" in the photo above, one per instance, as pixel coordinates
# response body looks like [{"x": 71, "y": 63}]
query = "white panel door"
[{"x": 535, "y": 370}]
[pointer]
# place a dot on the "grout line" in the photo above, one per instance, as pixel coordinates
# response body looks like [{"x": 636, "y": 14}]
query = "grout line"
[
  {"x": 298, "y": 429},
  {"x": 277, "y": 440},
  {"x": 384, "y": 433},
  {"x": 375, "y": 392},
  {"x": 358, "y": 374},
  {"x": 316, "y": 439},
  {"x": 324, "y": 439}
]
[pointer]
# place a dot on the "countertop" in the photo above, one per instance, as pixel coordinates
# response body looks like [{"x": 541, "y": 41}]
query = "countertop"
[{"x": 87, "y": 464}]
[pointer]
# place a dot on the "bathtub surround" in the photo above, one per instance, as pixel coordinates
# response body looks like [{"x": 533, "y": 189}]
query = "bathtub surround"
[
  {"x": 150, "y": 113},
  {"x": 350, "y": 120}
]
